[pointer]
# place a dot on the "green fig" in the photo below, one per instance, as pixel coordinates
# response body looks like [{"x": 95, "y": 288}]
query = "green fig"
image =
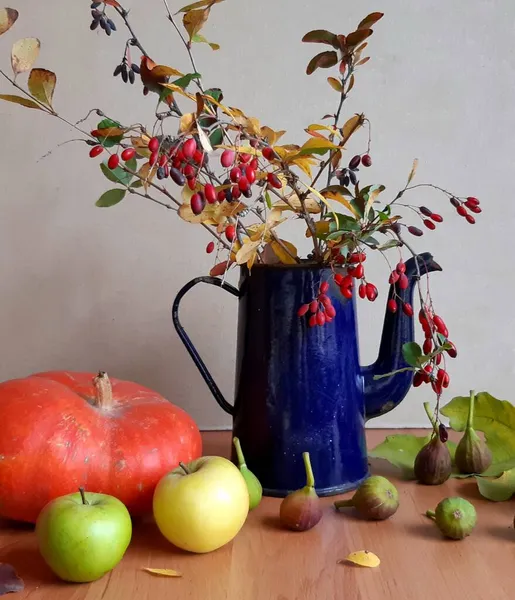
[
  {"x": 253, "y": 484},
  {"x": 472, "y": 454},
  {"x": 375, "y": 499},
  {"x": 301, "y": 510},
  {"x": 433, "y": 464},
  {"x": 455, "y": 517}
]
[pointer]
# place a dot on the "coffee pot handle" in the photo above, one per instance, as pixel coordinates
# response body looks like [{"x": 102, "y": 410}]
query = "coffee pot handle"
[{"x": 189, "y": 344}]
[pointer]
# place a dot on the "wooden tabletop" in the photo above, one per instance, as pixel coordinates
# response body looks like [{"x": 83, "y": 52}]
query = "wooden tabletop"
[{"x": 265, "y": 562}]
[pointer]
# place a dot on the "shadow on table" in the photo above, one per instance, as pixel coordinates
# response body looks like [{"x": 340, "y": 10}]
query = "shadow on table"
[{"x": 28, "y": 564}]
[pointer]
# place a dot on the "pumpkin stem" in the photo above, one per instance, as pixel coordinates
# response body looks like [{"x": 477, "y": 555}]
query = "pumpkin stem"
[
  {"x": 83, "y": 496},
  {"x": 104, "y": 391}
]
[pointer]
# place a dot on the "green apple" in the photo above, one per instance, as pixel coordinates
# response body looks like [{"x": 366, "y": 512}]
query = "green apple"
[
  {"x": 82, "y": 536},
  {"x": 202, "y": 505}
]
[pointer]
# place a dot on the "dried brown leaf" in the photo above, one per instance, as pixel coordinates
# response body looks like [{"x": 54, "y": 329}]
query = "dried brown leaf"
[
  {"x": 8, "y": 17},
  {"x": 413, "y": 171},
  {"x": 199, "y": 4},
  {"x": 24, "y": 54},
  {"x": 362, "y": 61},
  {"x": 20, "y": 100},
  {"x": 9, "y": 580},
  {"x": 336, "y": 84},
  {"x": 194, "y": 20},
  {"x": 42, "y": 85}
]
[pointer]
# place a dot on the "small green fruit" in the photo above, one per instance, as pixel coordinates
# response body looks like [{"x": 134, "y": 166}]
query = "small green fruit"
[
  {"x": 253, "y": 484},
  {"x": 455, "y": 517},
  {"x": 472, "y": 454},
  {"x": 375, "y": 499}
]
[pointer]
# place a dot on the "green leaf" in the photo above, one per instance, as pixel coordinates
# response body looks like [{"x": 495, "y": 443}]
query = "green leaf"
[
  {"x": 118, "y": 175},
  {"x": 495, "y": 418},
  {"x": 215, "y": 93},
  {"x": 137, "y": 184},
  {"x": 401, "y": 450},
  {"x": 389, "y": 244},
  {"x": 268, "y": 201},
  {"x": 412, "y": 353},
  {"x": 500, "y": 489},
  {"x": 109, "y": 142},
  {"x": 200, "y": 39},
  {"x": 336, "y": 189},
  {"x": 216, "y": 137},
  {"x": 183, "y": 82},
  {"x": 110, "y": 198}
]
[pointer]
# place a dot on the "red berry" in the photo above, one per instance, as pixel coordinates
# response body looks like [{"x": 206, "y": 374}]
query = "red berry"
[
  {"x": 313, "y": 321},
  {"x": 346, "y": 292},
  {"x": 338, "y": 278},
  {"x": 438, "y": 358},
  {"x": 362, "y": 291},
  {"x": 347, "y": 281},
  {"x": 177, "y": 163},
  {"x": 235, "y": 174},
  {"x": 192, "y": 183},
  {"x": 244, "y": 157},
  {"x": 268, "y": 153},
  {"x": 250, "y": 174},
  {"x": 357, "y": 257},
  {"x": 188, "y": 148},
  {"x": 210, "y": 193},
  {"x": 415, "y": 231},
  {"x": 254, "y": 164},
  {"x": 324, "y": 287},
  {"x": 437, "y": 218},
  {"x": 153, "y": 145},
  {"x": 429, "y": 224},
  {"x": 359, "y": 271},
  {"x": 354, "y": 162},
  {"x": 128, "y": 153},
  {"x": 440, "y": 325},
  {"x": 274, "y": 181},
  {"x": 471, "y": 201},
  {"x": 330, "y": 311},
  {"x": 95, "y": 151},
  {"x": 366, "y": 161},
  {"x": 437, "y": 387},
  {"x": 475, "y": 209},
  {"x": 153, "y": 159},
  {"x": 401, "y": 267},
  {"x": 243, "y": 184},
  {"x": 320, "y": 318},
  {"x": 236, "y": 192},
  {"x": 221, "y": 196},
  {"x": 407, "y": 309},
  {"x": 443, "y": 378},
  {"x": 325, "y": 300},
  {"x": 452, "y": 352},
  {"x": 303, "y": 310},
  {"x": 425, "y": 211},
  {"x": 198, "y": 157},
  {"x": 462, "y": 211},
  {"x": 210, "y": 247},
  {"x": 227, "y": 158},
  {"x": 394, "y": 277},
  {"x": 313, "y": 307},
  {"x": 114, "y": 161},
  {"x": 418, "y": 379},
  {"x": 392, "y": 305},
  {"x": 371, "y": 292},
  {"x": 177, "y": 176},
  {"x": 189, "y": 171},
  {"x": 163, "y": 159},
  {"x": 403, "y": 281},
  {"x": 197, "y": 203},
  {"x": 428, "y": 345},
  {"x": 230, "y": 233},
  {"x": 470, "y": 219}
]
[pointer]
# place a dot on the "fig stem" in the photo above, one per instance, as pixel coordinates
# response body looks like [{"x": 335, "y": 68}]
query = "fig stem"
[
  {"x": 83, "y": 496},
  {"x": 470, "y": 421},
  {"x": 343, "y": 503},
  {"x": 427, "y": 408},
  {"x": 239, "y": 452},
  {"x": 431, "y": 514},
  {"x": 310, "y": 478},
  {"x": 185, "y": 468}
]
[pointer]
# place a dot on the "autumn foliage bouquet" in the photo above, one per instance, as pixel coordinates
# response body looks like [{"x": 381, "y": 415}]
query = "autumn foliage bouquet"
[{"x": 219, "y": 168}]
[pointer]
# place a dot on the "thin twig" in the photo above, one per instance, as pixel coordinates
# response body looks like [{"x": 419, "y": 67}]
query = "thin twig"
[{"x": 124, "y": 14}]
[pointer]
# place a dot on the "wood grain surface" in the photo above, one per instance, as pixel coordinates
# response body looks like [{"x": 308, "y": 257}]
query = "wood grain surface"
[{"x": 265, "y": 562}]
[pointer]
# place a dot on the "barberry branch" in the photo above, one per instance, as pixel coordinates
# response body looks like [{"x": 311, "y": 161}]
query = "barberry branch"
[{"x": 124, "y": 14}]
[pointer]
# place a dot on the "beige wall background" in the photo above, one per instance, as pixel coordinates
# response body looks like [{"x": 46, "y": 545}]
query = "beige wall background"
[{"x": 88, "y": 289}]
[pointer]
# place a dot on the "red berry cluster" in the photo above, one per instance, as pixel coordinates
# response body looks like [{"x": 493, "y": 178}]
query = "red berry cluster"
[
  {"x": 398, "y": 277},
  {"x": 320, "y": 309},
  {"x": 430, "y": 219},
  {"x": 242, "y": 174},
  {"x": 461, "y": 207},
  {"x": 432, "y": 373}
]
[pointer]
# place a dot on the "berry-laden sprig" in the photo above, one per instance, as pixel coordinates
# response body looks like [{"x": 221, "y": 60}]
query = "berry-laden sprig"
[{"x": 217, "y": 167}]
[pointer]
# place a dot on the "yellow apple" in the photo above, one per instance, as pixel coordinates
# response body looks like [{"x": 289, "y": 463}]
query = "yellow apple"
[{"x": 202, "y": 505}]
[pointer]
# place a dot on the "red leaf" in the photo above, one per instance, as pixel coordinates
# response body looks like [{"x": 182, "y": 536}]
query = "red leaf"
[
  {"x": 112, "y": 3},
  {"x": 356, "y": 37},
  {"x": 324, "y": 60},
  {"x": 321, "y": 36},
  {"x": 369, "y": 20},
  {"x": 9, "y": 580},
  {"x": 220, "y": 268}
]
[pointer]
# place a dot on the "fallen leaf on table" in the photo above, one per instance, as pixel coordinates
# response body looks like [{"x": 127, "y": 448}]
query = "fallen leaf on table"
[
  {"x": 363, "y": 558},
  {"x": 163, "y": 572},
  {"x": 9, "y": 580},
  {"x": 497, "y": 490}
]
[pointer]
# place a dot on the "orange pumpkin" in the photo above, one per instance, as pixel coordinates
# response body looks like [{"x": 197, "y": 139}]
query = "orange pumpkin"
[{"x": 62, "y": 430}]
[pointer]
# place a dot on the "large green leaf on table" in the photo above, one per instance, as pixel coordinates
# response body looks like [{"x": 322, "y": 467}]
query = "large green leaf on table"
[
  {"x": 495, "y": 418},
  {"x": 401, "y": 450},
  {"x": 500, "y": 489}
]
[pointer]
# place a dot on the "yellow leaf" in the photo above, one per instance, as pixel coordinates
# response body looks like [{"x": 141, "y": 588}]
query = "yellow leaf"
[
  {"x": 271, "y": 136},
  {"x": 364, "y": 558},
  {"x": 42, "y": 85},
  {"x": 194, "y": 20},
  {"x": 321, "y": 227},
  {"x": 24, "y": 54},
  {"x": 351, "y": 126},
  {"x": 204, "y": 140},
  {"x": 147, "y": 174},
  {"x": 318, "y": 127},
  {"x": 163, "y": 572},
  {"x": 164, "y": 71},
  {"x": 179, "y": 90},
  {"x": 339, "y": 198},
  {"x": 317, "y": 146},
  {"x": 8, "y": 17},
  {"x": 20, "y": 100},
  {"x": 372, "y": 197},
  {"x": 212, "y": 213},
  {"x": 186, "y": 122},
  {"x": 322, "y": 199},
  {"x": 199, "y": 4},
  {"x": 311, "y": 205},
  {"x": 336, "y": 84},
  {"x": 351, "y": 84},
  {"x": 413, "y": 171},
  {"x": 304, "y": 163},
  {"x": 247, "y": 251},
  {"x": 285, "y": 257},
  {"x": 275, "y": 216}
]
